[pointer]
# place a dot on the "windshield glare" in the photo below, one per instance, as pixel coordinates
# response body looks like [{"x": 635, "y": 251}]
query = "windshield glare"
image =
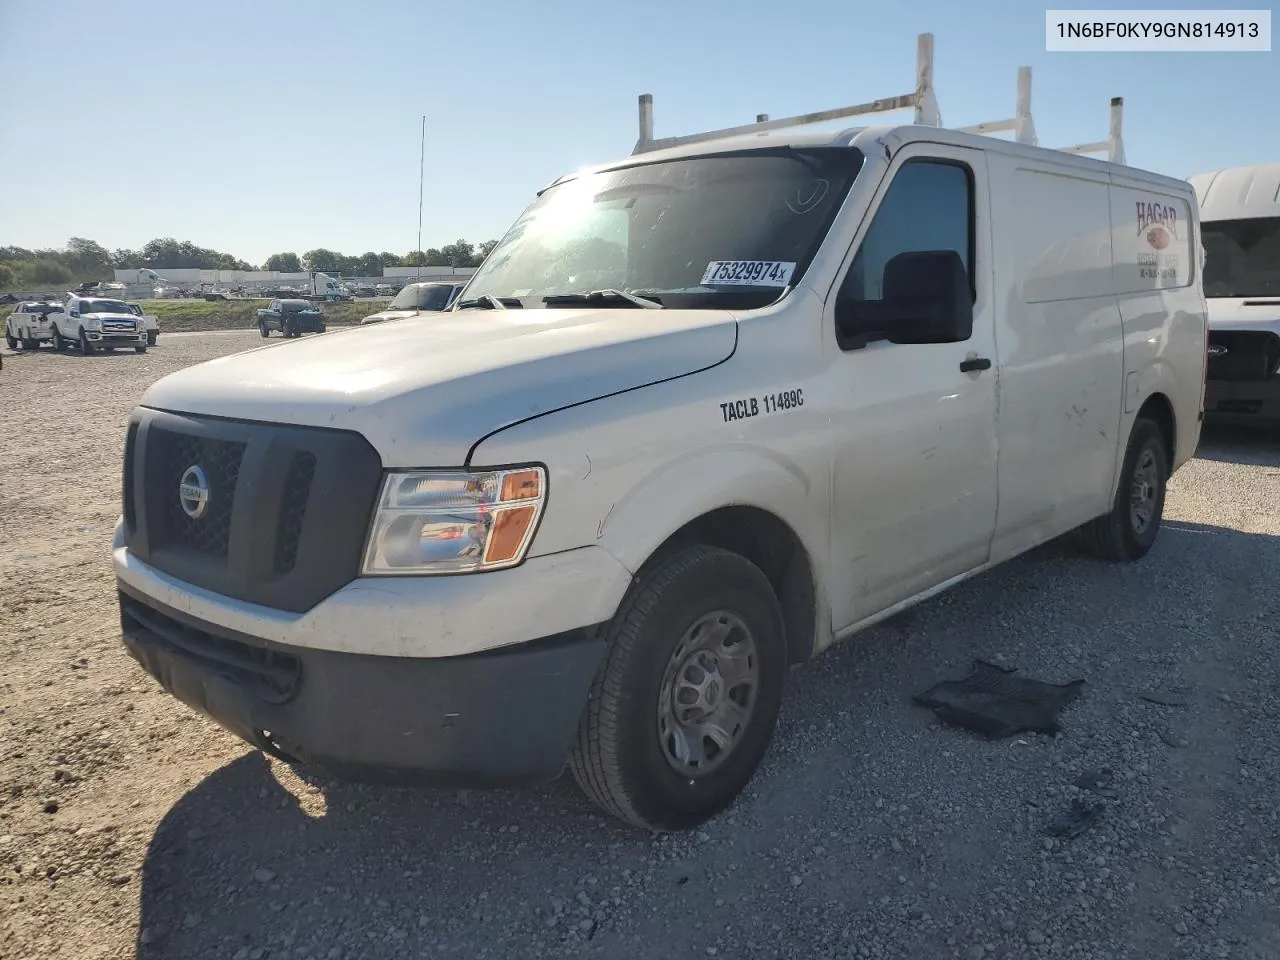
[
  {"x": 105, "y": 306},
  {"x": 655, "y": 229},
  {"x": 1242, "y": 257}
]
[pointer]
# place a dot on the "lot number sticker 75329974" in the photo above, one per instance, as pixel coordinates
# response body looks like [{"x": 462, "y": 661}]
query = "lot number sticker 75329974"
[{"x": 748, "y": 273}]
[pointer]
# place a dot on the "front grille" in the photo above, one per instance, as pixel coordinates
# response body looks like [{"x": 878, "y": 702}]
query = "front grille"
[
  {"x": 269, "y": 674},
  {"x": 287, "y": 512},
  {"x": 130, "y": 444},
  {"x": 293, "y": 508},
  {"x": 171, "y": 454},
  {"x": 118, "y": 326},
  {"x": 1249, "y": 355}
]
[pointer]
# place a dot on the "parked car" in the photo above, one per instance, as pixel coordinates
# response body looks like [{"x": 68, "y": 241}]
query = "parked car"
[
  {"x": 30, "y": 325},
  {"x": 715, "y": 408},
  {"x": 426, "y": 297},
  {"x": 95, "y": 323},
  {"x": 292, "y": 318}
]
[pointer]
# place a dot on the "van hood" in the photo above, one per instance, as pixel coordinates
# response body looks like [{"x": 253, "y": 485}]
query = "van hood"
[
  {"x": 424, "y": 390},
  {"x": 1244, "y": 313},
  {"x": 382, "y": 315}
]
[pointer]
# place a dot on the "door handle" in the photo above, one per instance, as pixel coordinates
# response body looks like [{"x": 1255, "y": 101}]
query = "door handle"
[{"x": 974, "y": 363}]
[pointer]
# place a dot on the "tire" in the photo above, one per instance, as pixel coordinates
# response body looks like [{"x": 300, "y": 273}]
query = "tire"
[
  {"x": 262, "y": 329},
  {"x": 59, "y": 341},
  {"x": 1119, "y": 535},
  {"x": 86, "y": 347},
  {"x": 152, "y": 337},
  {"x": 10, "y": 341},
  {"x": 623, "y": 760},
  {"x": 140, "y": 348}
]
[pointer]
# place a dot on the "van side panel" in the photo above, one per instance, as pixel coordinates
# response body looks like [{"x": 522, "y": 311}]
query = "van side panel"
[
  {"x": 1156, "y": 277},
  {"x": 1060, "y": 348}
]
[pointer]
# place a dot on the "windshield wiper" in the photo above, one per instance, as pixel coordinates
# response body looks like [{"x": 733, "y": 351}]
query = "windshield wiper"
[
  {"x": 488, "y": 301},
  {"x": 601, "y": 296}
]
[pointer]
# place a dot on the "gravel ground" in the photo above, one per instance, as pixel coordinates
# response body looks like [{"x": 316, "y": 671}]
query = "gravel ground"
[{"x": 130, "y": 827}]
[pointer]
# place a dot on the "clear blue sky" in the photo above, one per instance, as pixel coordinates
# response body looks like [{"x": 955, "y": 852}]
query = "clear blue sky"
[{"x": 273, "y": 125}]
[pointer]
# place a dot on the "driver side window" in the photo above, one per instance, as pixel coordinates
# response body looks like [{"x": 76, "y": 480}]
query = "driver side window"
[{"x": 928, "y": 206}]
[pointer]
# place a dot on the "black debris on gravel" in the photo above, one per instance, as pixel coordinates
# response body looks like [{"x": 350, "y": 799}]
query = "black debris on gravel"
[
  {"x": 993, "y": 702},
  {"x": 1081, "y": 815}
]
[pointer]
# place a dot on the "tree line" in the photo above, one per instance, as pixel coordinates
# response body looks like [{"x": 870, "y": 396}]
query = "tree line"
[{"x": 84, "y": 260}]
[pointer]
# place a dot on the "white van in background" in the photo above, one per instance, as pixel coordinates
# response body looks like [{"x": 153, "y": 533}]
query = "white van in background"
[
  {"x": 150, "y": 322},
  {"x": 702, "y": 412},
  {"x": 1240, "y": 222}
]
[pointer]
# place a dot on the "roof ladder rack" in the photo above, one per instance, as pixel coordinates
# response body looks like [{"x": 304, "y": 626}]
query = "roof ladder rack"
[
  {"x": 923, "y": 99},
  {"x": 1024, "y": 130},
  {"x": 1113, "y": 146}
]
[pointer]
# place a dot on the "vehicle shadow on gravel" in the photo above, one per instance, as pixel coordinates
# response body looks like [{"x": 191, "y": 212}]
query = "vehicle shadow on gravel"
[
  {"x": 869, "y": 822},
  {"x": 237, "y": 860}
]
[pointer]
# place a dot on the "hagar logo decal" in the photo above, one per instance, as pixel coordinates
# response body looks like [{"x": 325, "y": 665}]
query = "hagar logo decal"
[
  {"x": 1158, "y": 225},
  {"x": 1159, "y": 222}
]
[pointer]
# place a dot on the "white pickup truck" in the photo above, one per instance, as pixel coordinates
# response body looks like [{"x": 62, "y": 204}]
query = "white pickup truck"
[
  {"x": 96, "y": 323},
  {"x": 703, "y": 412},
  {"x": 30, "y": 324}
]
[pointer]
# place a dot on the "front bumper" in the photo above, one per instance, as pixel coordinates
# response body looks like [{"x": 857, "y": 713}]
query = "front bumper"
[
  {"x": 1242, "y": 401},
  {"x": 500, "y": 717},
  {"x": 123, "y": 338}
]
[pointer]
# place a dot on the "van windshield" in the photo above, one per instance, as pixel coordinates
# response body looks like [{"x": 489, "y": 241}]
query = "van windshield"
[
  {"x": 1242, "y": 257},
  {"x": 729, "y": 230},
  {"x": 424, "y": 297}
]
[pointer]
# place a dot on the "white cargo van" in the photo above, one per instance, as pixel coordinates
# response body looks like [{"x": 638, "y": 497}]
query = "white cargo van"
[
  {"x": 702, "y": 412},
  {"x": 1240, "y": 214}
]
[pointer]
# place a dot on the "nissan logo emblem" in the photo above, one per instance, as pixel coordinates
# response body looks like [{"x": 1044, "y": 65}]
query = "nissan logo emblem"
[{"x": 193, "y": 492}]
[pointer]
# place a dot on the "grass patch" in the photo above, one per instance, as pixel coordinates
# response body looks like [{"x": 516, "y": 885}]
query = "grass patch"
[{"x": 181, "y": 316}]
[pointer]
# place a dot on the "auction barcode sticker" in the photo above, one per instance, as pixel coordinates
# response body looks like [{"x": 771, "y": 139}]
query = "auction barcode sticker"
[
  {"x": 748, "y": 273},
  {"x": 1147, "y": 31}
]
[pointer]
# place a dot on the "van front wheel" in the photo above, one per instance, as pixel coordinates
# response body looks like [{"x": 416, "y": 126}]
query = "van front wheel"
[
  {"x": 1129, "y": 529},
  {"x": 684, "y": 704}
]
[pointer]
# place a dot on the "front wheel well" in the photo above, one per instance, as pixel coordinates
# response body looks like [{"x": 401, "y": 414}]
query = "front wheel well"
[
  {"x": 771, "y": 544},
  {"x": 1159, "y": 410}
]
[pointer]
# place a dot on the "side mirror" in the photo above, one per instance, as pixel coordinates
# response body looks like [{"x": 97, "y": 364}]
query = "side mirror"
[
  {"x": 926, "y": 300},
  {"x": 75, "y": 313}
]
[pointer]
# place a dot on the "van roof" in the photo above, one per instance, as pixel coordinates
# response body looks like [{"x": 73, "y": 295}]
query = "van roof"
[
  {"x": 878, "y": 139},
  {"x": 1238, "y": 193}
]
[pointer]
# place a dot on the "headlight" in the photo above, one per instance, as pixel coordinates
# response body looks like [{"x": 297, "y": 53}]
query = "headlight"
[
  {"x": 92, "y": 323},
  {"x": 436, "y": 521}
]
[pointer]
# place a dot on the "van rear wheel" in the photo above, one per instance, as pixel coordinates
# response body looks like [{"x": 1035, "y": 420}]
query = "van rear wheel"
[
  {"x": 684, "y": 704},
  {"x": 1129, "y": 529}
]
